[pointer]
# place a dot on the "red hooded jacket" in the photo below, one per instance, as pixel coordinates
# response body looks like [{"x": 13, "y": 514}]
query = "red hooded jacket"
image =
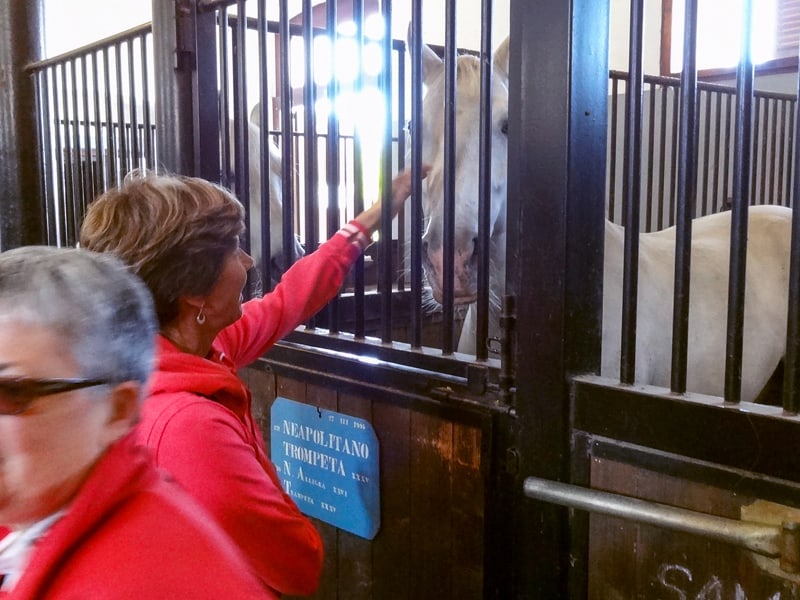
[
  {"x": 198, "y": 423},
  {"x": 131, "y": 534}
]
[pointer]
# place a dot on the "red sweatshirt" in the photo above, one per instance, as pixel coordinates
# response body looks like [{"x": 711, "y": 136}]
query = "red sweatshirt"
[
  {"x": 131, "y": 534},
  {"x": 199, "y": 425}
]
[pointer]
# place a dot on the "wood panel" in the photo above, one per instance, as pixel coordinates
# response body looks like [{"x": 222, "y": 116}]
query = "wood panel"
[
  {"x": 430, "y": 542},
  {"x": 628, "y": 560}
]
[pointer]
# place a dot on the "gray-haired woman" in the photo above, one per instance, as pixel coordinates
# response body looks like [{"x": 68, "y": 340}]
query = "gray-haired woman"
[{"x": 83, "y": 511}]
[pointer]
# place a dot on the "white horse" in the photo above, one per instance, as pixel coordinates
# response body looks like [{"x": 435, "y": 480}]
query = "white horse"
[
  {"x": 278, "y": 261},
  {"x": 767, "y": 254}
]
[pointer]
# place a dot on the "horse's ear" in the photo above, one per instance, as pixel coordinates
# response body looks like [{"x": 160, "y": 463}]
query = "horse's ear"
[
  {"x": 255, "y": 115},
  {"x": 431, "y": 63},
  {"x": 501, "y": 59}
]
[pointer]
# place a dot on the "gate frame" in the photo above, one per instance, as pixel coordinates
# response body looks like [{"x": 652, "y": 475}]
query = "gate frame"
[{"x": 556, "y": 206}]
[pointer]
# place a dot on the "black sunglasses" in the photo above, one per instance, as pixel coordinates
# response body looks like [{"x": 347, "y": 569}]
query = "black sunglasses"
[{"x": 17, "y": 393}]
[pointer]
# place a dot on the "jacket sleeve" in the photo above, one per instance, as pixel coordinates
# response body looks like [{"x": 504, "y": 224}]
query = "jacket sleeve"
[
  {"x": 205, "y": 448},
  {"x": 303, "y": 290}
]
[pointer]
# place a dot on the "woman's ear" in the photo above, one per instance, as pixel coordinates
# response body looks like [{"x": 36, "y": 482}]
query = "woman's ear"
[{"x": 123, "y": 410}]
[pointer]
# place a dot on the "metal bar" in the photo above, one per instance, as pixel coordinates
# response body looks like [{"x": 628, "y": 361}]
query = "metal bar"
[
  {"x": 385, "y": 253},
  {"x": 739, "y": 214},
  {"x": 791, "y": 373},
  {"x": 632, "y": 199},
  {"x": 111, "y": 169},
  {"x": 706, "y": 152},
  {"x": 149, "y": 158},
  {"x": 287, "y": 142},
  {"x": 756, "y": 537},
  {"x": 485, "y": 191},
  {"x": 77, "y": 147},
  {"x": 135, "y": 151},
  {"x": 612, "y": 148},
  {"x": 123, "y": 138},
  {"x": 225, "y": 101},
  {"x": 97, "y": 184},
  {"x": 358, "y": 174},
  {"x": 416, "y": 167},
  {"x": 241, "y": 119},
  {"x": 728, "y": 125},
  {"x": 51, "y": 215},
  {"x": 662, "y": 163},
  {"x": 87, "y": 174},
  {"x": 264, "y": 142},
  {"x": 310, "y": 134},
  {"x": 651, "y": 156},
  {"x": 449, "y": 166},
  {"x": 715, "y": 200},
  {"x": 686, "y": 196}
]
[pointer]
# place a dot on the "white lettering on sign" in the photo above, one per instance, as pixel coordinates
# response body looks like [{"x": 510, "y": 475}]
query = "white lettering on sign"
[
  {"x": 678, "y": 579},
  {"x": 314, "y": 458},
  {"x": 329, "y": 440}
]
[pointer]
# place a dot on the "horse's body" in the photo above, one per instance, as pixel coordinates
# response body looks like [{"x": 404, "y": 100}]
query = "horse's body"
[{"x": 767, "y": 258}]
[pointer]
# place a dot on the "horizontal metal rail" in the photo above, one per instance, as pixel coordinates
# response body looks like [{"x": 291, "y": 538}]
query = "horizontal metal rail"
[{"x": 768, "y": 540}]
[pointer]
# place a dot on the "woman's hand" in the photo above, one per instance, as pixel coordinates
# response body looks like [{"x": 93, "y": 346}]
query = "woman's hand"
[{"x": 401, "y": 190}]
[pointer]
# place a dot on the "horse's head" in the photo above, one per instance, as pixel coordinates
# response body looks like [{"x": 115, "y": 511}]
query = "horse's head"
[{"x": 466, "y": 183}]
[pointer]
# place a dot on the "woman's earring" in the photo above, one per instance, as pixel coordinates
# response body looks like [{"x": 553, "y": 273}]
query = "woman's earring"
[{"x": 201, "y": 317}]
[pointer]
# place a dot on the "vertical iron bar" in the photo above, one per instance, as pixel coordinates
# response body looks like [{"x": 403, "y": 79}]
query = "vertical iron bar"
[
  {"x": 448, "y": 208},
  {"x": 49, "y": 195},
  {"x": 651, "y": 157},
  {"x": 224, "y": 100},
  {"x": 87, "y": 174},
  {"x": 791, "y": 372},
  {"x": 756, "y": 151},
  {"x": 61, "y": 177},
  {"x": 739, "y": 212},
  {"x": 686, "y": 198},
  {"x": 612, "y": 150},
  {"x": 632, "y": 198},
  {"x": 715, "y": 201},
  {"x": 111, "y": 147},
  {"x": 662, "y": 162},
  {"x": 97, "y": 184},
  {"x": 728, "y": 157},
  {"x": 240, "y": 116},
  {"x": 77, "y": 147},
  {"x": 135, "y": 151},
  {"x": 416, "y": 168},
  {"x": 121, "y": 125},
  {"x": 385, "y": 248},
  {"x": 264, "y": 145},
  {"x": 485, "y": 177},
  {"x": 704, "y": 189},
  {"x": 310, "y": 131},
  {"x": 401, "y": 163},
  {"x": 673, "y": 195},
  {"x": 287, "y": 137},
  {"x": 358, "y": 175},
  {"x": 149, "y": 159}
]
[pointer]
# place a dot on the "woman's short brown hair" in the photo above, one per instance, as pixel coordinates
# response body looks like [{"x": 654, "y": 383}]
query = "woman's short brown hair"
[{"x": 174, "y": 231}]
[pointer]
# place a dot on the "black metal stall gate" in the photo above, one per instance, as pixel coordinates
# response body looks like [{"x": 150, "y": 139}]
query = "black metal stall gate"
[{"x": 465, "y": 439}]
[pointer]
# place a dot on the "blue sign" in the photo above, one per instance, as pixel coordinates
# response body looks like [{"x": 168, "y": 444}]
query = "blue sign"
[{"x": 328, "y": 464}]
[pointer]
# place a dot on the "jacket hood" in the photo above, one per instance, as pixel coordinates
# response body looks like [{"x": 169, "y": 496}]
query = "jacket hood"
[{"x": 213, "y": 377}]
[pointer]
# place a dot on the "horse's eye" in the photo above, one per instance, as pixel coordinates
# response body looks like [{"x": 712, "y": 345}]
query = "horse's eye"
[{"x": 504, "y": 127}]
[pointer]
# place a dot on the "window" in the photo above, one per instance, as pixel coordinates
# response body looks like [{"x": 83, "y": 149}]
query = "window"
[{"x": 776, "y": 33}]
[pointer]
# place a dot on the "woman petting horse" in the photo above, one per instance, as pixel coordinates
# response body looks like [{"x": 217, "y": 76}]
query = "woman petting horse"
[{"x": 181, "y": 235}]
